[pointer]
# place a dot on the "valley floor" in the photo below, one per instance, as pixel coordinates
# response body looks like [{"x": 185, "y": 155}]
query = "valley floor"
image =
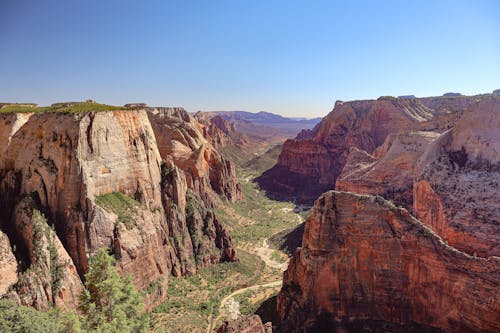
[{"x": 200, "y": 303}]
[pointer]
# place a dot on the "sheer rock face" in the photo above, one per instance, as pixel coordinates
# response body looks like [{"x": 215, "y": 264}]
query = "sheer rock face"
[
  {"x": 311, "y": 163},
  {"x": 8, "y": 264},
  {"x": 318, "y": 156},
  {"x": 391, "y": 169},
  {"x": 364, "y": 259},
  {"x": 456, "y": 188},
  {"x": 180, "y": 137},
  {"x": 52, "y": 278},
  {"x": 64, "y": 162}
]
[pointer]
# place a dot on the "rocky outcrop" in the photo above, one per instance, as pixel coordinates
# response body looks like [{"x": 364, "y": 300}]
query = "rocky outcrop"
[
  {"x": 180, "y": 137},
  {"x": 364, "y": 260},
  {"x": 456, "y": 188},
  {"x": 100, "y": 181},
  {"x": 311, "y": 163},
  {"x": 317, "y": 158},
  {"x": 245, "y": 324},
  {"x": 51, "y": 277},
  {"x": 8, "y": 264},
  {"x": 220, "y": 132},
  {"x": 391, "y": 169}
]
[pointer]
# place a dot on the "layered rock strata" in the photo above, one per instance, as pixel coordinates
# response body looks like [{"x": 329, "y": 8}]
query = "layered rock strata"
[
  {"x": 456, "y": 186},
  {"x": 311, "y": 163},
  {"x": 389, "y": 172},
  {"x": 180, "y": 138},
  {"x": 100, "y": 181},
  {"x": 363, "y": 259}
]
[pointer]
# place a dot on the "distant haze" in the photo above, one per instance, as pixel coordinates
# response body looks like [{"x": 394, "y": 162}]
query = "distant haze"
[{"x": 293, "y": 58}]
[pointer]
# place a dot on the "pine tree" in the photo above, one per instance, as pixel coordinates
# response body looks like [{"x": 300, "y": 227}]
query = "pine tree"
[{"x": 110, "y": 303}]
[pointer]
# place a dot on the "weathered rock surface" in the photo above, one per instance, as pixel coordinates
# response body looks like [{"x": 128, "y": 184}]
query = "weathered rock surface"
[
  {"x": 363, "y": 259},
  {"x": 66, "y": 162},
  {"x": 220, "y": 132},
  {"x": 51, "y": 277},
  {"x": 311, "y": 163},
  {"x": 8, "y": 264},
  {"x": 391, "y": 169},
  {"x": 180, "y": 137},
  {"x": 245, "y": 324},
  {"x": 456, "y": 188}
]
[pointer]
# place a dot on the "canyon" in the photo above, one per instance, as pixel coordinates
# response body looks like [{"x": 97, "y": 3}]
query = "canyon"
[
  {"x": 79, "y": 182},
  {"x": 430, "y": 265},
  {"x": 402, "y": 236},
  {"x": 316, "y": 158}
]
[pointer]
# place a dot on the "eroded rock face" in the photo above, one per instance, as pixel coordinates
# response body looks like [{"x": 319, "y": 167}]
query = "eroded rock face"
[
  {"x": 311, "y": 163},
  {"x": 391, "y": 169},
  {"x": 456, "y": 188},
  {"x": 317, "y": 157},
  {"x": 363, "y": 259},
  {"x": 66, "y": 162},
  {"x": 8, "y": 264},
  {"x": 180, "y": 137}
]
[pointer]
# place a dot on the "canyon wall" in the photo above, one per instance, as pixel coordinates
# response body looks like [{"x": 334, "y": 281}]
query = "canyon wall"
[
  {"x": 312, "y": 162},
  {"x": 457, "y": 181},
  {"x": 180, "y": 138},
  {"x": 98, "y": 180},
  {"x": 364, "y": 260}
]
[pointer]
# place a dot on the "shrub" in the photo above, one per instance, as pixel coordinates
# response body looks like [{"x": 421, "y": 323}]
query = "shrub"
[{"x": 22, "y": 319}]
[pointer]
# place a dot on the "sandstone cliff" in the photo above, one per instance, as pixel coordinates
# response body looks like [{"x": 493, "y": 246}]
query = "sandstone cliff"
[
  {"x": 180, "y": 137},
  {"x": 456, "y": 187},
  {"x": 364, "y": 260},
  {"x": 100, "y": 181},
  {"x": 311, "y": 163},
  {"x": 391, "y": 169}
]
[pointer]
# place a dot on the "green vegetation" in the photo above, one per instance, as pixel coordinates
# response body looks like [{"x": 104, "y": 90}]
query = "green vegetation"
[
  {"x": 122, "y": 205},
  {"x": 190, "y": 298},
  {"x": 21, "y": 319},
  {"x": 256, "y": 217},
  {"x": 77, "y": 107},
  {"x": 110, "y": 303},
  {"x": 265, "y": 161}
]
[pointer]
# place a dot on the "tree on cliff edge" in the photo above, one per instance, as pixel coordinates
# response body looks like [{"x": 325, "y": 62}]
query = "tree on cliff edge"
[{"x": 110, "y": 303}]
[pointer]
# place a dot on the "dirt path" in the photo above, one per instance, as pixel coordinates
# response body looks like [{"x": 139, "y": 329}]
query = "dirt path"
[{"x": 235, "y": 293}]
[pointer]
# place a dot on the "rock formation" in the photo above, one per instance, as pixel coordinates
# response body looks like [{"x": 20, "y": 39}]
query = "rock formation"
[
  {"x": 390, "y": 171},
  {"x": 100, "y": 181},
  {"x": 311, "y": 163},
  {"x": 364, "y": 260},
  {"x": 456, "y": 187},
  {"x": 180, "y": 137}
]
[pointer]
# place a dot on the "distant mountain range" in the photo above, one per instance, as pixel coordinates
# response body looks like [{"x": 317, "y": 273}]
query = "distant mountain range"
[{"x": 265, "y": 124}]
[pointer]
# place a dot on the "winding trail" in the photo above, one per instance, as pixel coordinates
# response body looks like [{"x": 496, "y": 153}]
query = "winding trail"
[
  {"x": 235, "y": 293},
  {"x": 265, "y": 253}
]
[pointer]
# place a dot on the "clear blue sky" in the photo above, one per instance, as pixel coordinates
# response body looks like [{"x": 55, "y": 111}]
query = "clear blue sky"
[{"x": 288, "y": 57}]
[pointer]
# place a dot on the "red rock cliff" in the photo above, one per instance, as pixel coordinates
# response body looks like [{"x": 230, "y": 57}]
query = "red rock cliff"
[
  {"x": 456, "y": 190},
  {"x": 311, "y": 163},
  {"x": 67, "y": 164},
  {"x": 180, "y": 137},
  {"x": 364, "y": 260}
]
